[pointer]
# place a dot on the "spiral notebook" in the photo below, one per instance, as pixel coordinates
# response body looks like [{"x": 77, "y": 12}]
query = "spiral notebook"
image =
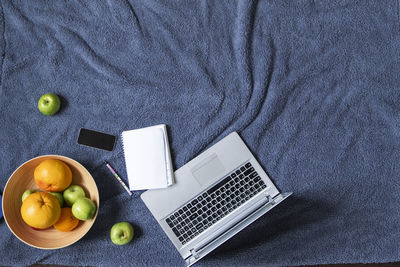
[{"x": 147, "y": 158}]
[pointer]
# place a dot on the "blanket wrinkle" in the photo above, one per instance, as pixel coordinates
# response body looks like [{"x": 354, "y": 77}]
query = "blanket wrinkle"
[{"x": 89, "y": 56}]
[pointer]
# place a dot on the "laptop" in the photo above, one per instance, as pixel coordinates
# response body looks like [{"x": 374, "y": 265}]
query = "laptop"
[{"x": 216, "y": 195}]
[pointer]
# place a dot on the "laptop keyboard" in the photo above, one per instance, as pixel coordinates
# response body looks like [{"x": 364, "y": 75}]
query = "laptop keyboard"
[{"x": 215, "y": 203}]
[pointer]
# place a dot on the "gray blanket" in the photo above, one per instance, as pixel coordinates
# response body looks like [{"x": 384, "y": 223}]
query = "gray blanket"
[{"x": 311, "y": 86}]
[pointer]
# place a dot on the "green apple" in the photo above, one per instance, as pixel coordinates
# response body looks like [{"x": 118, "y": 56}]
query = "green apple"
[
  {"x": 59, "y": 197},
  {"x": 121, "y": 233},
  {"x": 84, "y": 209},
  {"x": 27, "y": 193},
  {"x": 72, "y": 193},
  {"x": 49, "y": 104}
]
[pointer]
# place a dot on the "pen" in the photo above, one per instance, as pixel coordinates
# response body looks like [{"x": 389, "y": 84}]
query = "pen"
[{"x": 117, "y": 177}]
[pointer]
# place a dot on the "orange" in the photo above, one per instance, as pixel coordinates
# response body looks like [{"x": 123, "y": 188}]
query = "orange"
[
  {"x": 40, "y": 210},
  {"x": 67, "y": 221},
  {"x": 53, "y": 175}
]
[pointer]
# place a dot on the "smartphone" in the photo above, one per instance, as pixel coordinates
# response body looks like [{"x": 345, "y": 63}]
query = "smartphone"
[{"x": 96, "y": 139}]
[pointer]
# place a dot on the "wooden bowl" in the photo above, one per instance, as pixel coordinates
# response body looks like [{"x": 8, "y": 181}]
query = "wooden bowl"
[{"x": 50, "y": 238}]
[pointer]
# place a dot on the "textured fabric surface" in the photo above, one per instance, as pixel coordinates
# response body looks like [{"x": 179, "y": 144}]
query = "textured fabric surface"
[{"x": 311, "y": 86}]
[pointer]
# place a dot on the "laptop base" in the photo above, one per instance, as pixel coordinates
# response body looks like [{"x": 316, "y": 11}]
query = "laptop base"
[{"x": 201, "y": 252}]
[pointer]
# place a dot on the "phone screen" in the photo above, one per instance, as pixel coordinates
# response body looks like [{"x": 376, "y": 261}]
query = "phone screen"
[{"x": 96, "y": 139}]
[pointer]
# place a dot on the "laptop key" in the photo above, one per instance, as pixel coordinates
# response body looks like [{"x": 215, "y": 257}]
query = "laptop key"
[
  {"x": 176, "y": 232},
  {"x": 247, "y": 172},
  {"x": 248, "y": 165},
  {"x": 193, "y": 216},
  {"x": 254, "y": 174},
  {"x": 243, "y": 168},
  {"x": 193, "y": 209},
  {"x": 218, "y": 185},
  {"x": 198, "y": 226}
]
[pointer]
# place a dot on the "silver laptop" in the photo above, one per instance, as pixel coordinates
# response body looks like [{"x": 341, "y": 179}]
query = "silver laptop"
[{"x": 216, "y": 195}]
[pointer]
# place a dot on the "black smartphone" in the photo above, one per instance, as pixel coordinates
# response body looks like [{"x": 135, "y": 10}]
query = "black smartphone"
[{"x": 96, "y": 139}]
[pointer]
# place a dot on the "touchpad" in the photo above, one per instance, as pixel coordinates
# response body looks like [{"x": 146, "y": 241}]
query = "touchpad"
[{"x": 209, "y": 169}]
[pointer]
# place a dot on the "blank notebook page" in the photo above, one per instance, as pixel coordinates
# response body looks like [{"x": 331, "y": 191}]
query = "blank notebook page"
[{"x": 145, "y": 158}]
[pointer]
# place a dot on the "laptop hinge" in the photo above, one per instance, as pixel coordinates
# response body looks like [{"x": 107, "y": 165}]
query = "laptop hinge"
[
  {"x": 268, "y": 197},
  {"x": 194, "y": 253}
]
